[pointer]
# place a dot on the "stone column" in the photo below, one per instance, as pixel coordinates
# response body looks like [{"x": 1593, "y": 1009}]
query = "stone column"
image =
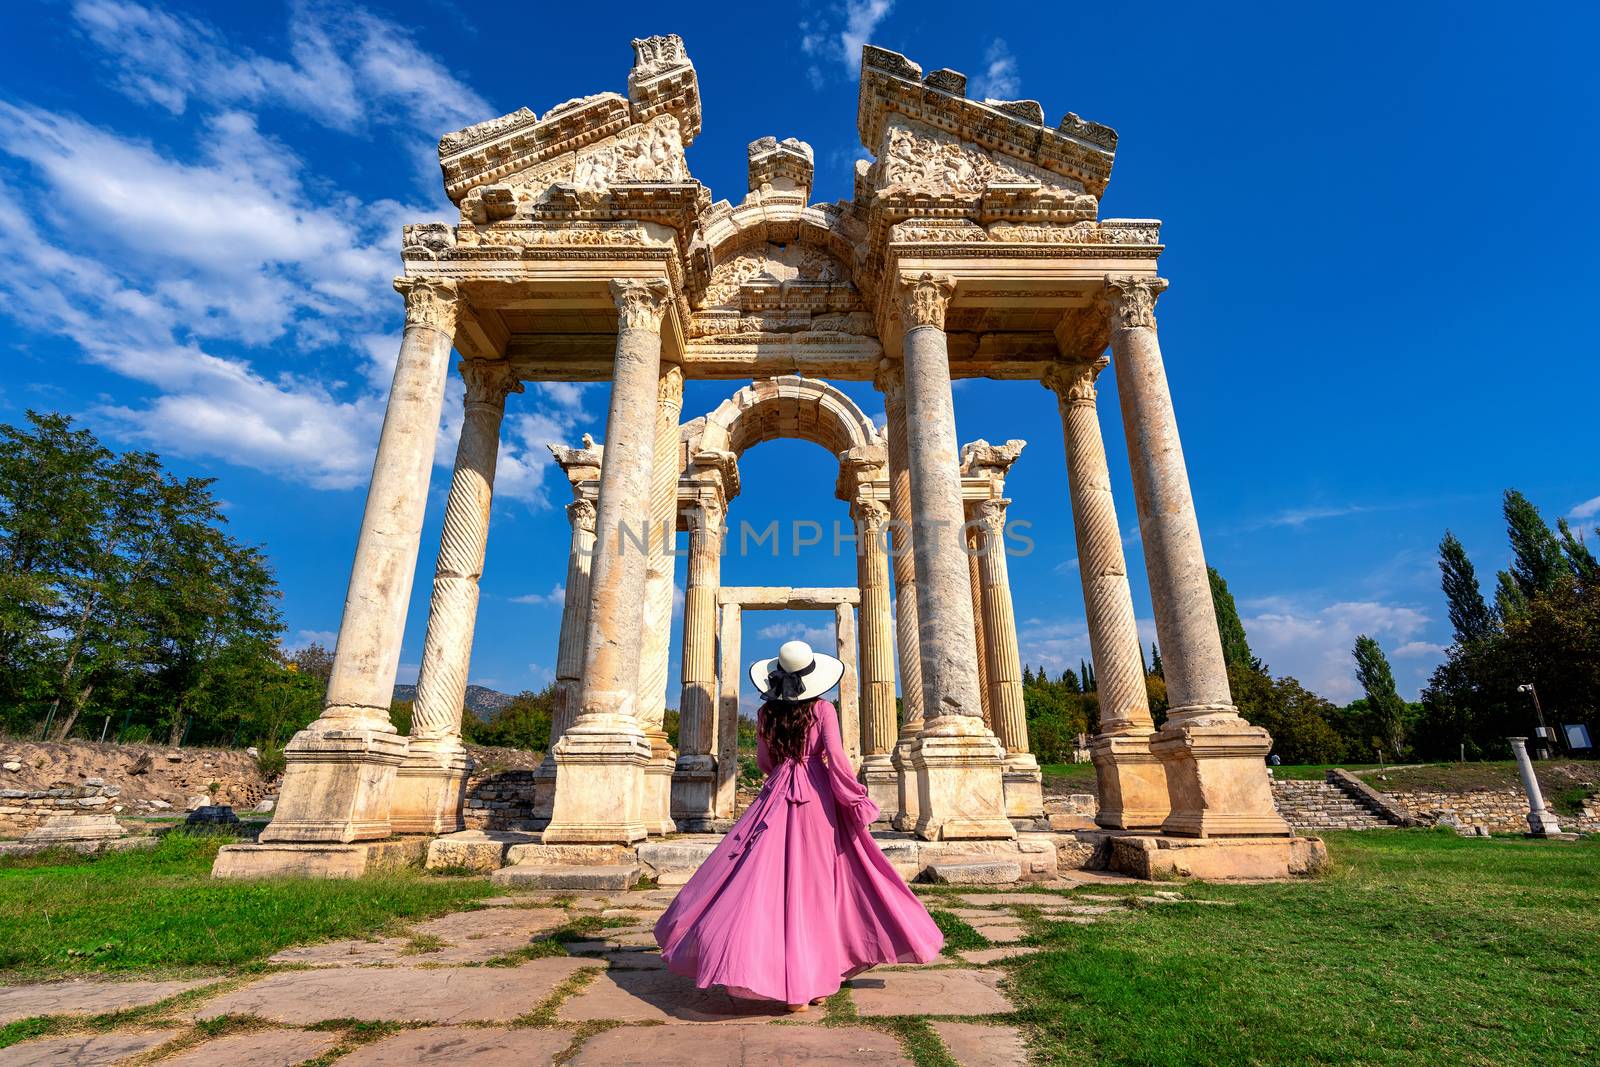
[
  {"x": 877, "y": 656},
  {"x": 601, "y": 759},
  {"x": 973, "y": 536},
  {"x": 694, "y": 788},
  {"x": 1215, "y": 761},
  {"x": 957, "y": 759},
  {"x": 1133, "y": 784},
  {"x": 340, "y": 769},
  {"x": 569, "y": 651},
  {"x": 430, "y": 787},
  {"x": 660, "y": 573},
  {"x": 844, "y": 630},
  {"x": 1541, "y": 820},
  {"x": 890, "y": 381},
  {"x": 730, "y": 673},
  {"x": 1023, "y": 783}
]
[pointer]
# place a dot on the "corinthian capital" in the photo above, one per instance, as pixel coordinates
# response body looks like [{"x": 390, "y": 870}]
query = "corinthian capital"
[
  {"x": 489, "y": 381},
  {"x": 669, "y": 389},
  {"x": 429, "y": 302},
  {"x": 1133, "y": 299},
  {"x": 581, "y": 514},
  {"x": 889, "y": 376},
  {"x": 1074, "y": 382},
  {"x": 992, "y": 513},
  {"x": 924, "y": 298},
  {"x": 640, "y": 305}
]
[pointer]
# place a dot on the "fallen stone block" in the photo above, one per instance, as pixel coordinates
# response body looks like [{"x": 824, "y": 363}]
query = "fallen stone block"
[
  {"x": 540, "y": 876},
  {"x": 964, "y": 870}
]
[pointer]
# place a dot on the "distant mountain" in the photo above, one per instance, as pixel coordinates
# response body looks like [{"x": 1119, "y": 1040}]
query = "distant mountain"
[{"x": 481, "y": 700}]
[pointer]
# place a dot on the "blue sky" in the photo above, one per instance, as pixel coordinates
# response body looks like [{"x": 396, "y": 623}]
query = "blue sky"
[{"x": 1378, "y": 225}]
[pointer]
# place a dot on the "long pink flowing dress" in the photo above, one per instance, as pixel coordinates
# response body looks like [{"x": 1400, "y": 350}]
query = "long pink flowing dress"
[{"x": 798, "y": 896}]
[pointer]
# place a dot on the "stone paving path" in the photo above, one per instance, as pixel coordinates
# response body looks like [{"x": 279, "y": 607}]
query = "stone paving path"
[{"x": 539, "y": 979}]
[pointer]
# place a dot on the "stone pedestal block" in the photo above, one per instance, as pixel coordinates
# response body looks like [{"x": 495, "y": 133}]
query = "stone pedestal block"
[
  {"x": 1024, "y": 786},
  {"x": 694, "y": 792},
  {"x": 1151, "y": 856},
  {"x": 958, "y": 765},
  {"x": 337, "y": 785},
  {"x": 1132, "y": 783},
  {"x": 1216, "y": 778},
  {"x": 882, "y": 780},
  {"x": 908, "y": 806},
  {"x": 600, "y": 781},
  {"x": 430, "y": 788},
  {"x": 655, "y": 804},
  {"x": 60, "y": 829},
  {"x": 316, "y": 861}
]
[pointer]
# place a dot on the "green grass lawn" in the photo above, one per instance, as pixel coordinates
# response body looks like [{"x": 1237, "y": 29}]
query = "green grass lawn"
[
  {"x": 161, "y": 911},
  {"x": 1419, "y": 947}
]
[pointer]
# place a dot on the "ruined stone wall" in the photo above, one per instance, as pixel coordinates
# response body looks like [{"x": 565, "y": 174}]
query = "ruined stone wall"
[
  {"x": 1500, "y": 811},
  {"x": 500, "y": 788},
  {"x": 136, "y": 779},
  {"x": 22, "y": 810}
]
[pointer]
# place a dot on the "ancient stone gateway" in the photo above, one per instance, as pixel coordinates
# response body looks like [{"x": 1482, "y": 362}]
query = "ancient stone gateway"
[{"x": 972, "y": 246}]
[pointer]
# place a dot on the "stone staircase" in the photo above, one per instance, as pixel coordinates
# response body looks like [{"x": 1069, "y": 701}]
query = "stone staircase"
[{"x": 1312, "y": 805}]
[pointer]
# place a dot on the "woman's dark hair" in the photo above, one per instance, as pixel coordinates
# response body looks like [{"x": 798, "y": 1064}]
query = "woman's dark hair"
[{"x": 784, "y": 725}]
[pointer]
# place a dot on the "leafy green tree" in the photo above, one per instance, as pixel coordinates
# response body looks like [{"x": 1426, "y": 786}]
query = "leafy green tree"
[
  {"x": 1509, "y": 599},
  {"x": 1299, "y": 720},
  {"x": 1536, "y": 560},
  {"x": 1469, "y": 615},
  {"x": 523, "y": 723},
  {"x": 1585, "y": 568},
  {"x": 1377, "y": 681},
  {"x": 1235, "y": 646}
]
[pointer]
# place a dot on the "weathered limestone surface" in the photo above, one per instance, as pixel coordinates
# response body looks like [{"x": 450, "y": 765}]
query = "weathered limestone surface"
[
  {"x": 1133, "y": 784},
  {"x": 570, "y": 648},
  {"x": 890, "y": 380},
  {"x": 431, "y": 784},
  {"x": 1215, "y": 761},
  {"x": 878, "y": 726},
  {"x": 844, "y": 629},
  {"x": 340, "y": 770},
  {"x": 600, "y": 760},
  {"x": 658, "y": 585},
  {"x": 694, "y": 779},
  {"x": 957, "y": 759},
  {"x": 730, "y": 670}
]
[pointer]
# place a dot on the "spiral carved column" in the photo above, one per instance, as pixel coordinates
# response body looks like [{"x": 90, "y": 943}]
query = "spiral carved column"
[
  {"x": 430, "y": 787},
  {"x": 1023, "y": 781}
]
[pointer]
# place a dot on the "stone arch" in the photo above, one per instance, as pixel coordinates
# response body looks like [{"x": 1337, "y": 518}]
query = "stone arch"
[
  {"x": 790, "y": 406},
  {"x": 758, "y": 225}
]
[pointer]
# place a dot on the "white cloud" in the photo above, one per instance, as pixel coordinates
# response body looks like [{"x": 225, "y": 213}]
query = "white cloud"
[
  {"x": 346, "y": 67},
  {"x": 1419, "y": 648},
  {"x": 1299, "y": 517},
  {"x": 557, "y": 595},
  {"x": 1586, "y": 510},
  {"x": 828, "y": 39},
  {"x": 1314, "y": 642},
  {"x": 821, "y": 638},
  {"x": 999, "y": 80},
  {"x": 1060, "y": 644},
  {"x": 304, "y": 638}
]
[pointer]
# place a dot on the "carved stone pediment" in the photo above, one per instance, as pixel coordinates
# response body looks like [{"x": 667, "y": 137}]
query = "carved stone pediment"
[
  {"x": 767, "y": 267},
  {"x": 925, "y": 160}
]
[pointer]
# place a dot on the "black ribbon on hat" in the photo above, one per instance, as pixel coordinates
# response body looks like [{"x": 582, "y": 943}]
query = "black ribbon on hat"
[{"x": 787, "y": 685}]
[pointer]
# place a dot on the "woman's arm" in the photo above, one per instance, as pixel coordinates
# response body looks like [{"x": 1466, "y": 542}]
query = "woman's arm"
[{"x": 850, "y": 795}]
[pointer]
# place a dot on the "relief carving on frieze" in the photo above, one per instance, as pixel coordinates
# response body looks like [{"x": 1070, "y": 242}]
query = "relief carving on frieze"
[
  {"x": 781, "y": 263},
  {"x": 930, "y": 160}
]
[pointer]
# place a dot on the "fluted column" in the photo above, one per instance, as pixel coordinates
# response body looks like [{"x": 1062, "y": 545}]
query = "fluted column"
[
  {"x": 1023, "y": 781},
  {"x": 957, "y": 758},
  {"x": 659, "y": 580},
  {"x": 730, "y": 675},
  {"x": 601, "y": 759},
  {"x": 973, "y": 535},
  {"x": 844, "y": 630},
  {"x": 569, "y": 651},
  {"x": 890, "y": 381},
  {"x": 1215, "y": 761},
  {"x": 694, "y": 779},
  {"x": 877, "y": 655},
  {"x": 431, "y": 785},
  {"x": 1132, "y": 783},
  {"x": 340, "y": 770}
]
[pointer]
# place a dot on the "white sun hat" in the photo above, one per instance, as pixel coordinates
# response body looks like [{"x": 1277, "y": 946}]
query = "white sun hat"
[{"x": 796, "y": 673}]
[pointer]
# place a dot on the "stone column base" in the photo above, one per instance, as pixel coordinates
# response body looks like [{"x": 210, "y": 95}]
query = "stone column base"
[
  {"x": 1132, "y": 783},
  {"x": 882, "y": 779},
  {"x": 316, "y": 861},
  {"x": 1024, "y": 786},
  {"x": 1157, "y": 856},
  {"x": 430, "y": 789},
  {"x": 907, "y": 803},
  {"x": 1543, "y": 824},
  {"x": 655, "y": 804},
  {"x": 962, "y": 795},
  {"x": 1217, "y": 777},
  {"x": 694, "y": 793},
  {"x": 544, "y": 791},
  {"x": 600, "y": 770},
  {"x": 336, "y": 785}
]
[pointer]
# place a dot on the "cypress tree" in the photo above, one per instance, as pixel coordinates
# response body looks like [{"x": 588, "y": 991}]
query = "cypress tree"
[
  {"x": 1083, "y": 675},
  {"x": 1584, "y": 566},
  {"x": 1235, "y": 647},
  {"x": 1536, "y": 562},
  {"x": 1155, "y": 661},
  {"x": 1372, "y": 671},
  {"x": 1093, "y": 686},
  {"x": 1468, "y": 612}
]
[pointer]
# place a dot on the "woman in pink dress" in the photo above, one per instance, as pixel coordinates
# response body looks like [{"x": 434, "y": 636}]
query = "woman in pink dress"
[{"x": 798, "y": 897}]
